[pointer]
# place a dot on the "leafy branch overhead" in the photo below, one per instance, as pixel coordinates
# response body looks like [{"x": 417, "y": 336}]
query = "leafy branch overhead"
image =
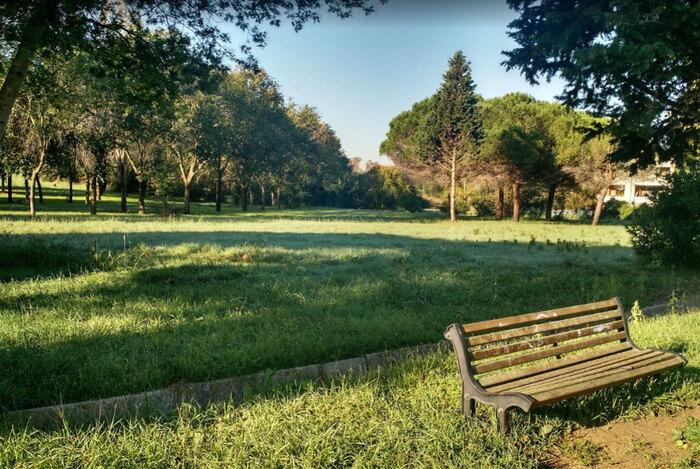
[{"x": 635, "y": 61}]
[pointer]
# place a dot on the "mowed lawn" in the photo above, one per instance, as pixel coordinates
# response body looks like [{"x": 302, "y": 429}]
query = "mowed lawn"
[
  {"x": 403, "y": 416},
  {"x": 113, "y": 304}
]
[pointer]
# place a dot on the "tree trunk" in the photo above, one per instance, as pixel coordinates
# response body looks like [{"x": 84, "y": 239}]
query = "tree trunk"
[
  {"x": 186, "y": 209},
  {"x": 41, "y": 192},
  {"x": 101, "y": 188},
  {"x": 87, "y": 190},
  {"x": 142, "y": 196},
  {"x": 244, "y": 199},
  {"x": 70, "y": 188},
  {"x": 2, "y": 178},
  {"x": 453, "y": 184},
  {"x": 272, "y": 198},
  {"x": 599, "y": 205},
  {"x": 9, "y": 188},
  {"x": 279, "y": 199},
  {"x": 262, "y": 197},
  {"x": 219, "y": 188},
  {"x": 31, "y": 185},
  {"x": 93, "y": 196},
  {"x": 516, "y": 201},
  {"x": 123, "y": 183},
  {"x": 499, "y": 204},
  {"x": 26, "y": 191},
  {"x": 28, "y": 45},
  {"x": 550, "y": 202},
  {"x": 250, "y": 196}
]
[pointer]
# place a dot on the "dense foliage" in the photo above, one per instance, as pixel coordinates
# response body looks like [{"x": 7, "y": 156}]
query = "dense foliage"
[
  {"x": 634, "y": 61},
  {"x": 532, "y": 151},
  {"x": 442, "y": 136},
  {"x": 668, "y": 231}
]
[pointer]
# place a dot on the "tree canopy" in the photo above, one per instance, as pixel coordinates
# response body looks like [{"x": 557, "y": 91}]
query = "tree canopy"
[{"x": 635, "y": 61}]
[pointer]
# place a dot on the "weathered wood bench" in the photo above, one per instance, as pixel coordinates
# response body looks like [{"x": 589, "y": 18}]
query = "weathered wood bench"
[{"x": 578, "y": 350}]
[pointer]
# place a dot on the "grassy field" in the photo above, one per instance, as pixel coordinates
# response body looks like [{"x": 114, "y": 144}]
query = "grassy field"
[
  {"x": 101, "y": 306},
  {"x": 405, "y": 416}
]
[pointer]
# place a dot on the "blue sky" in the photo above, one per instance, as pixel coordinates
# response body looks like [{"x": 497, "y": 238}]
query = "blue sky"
[{"x": 362, "y": 71}]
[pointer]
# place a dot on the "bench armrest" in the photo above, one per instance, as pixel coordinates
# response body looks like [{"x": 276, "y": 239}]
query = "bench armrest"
[{"x": 471, "y": 387}]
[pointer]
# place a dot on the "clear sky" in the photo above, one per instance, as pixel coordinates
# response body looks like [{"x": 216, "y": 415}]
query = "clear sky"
[{"x": 362, "y": 71}]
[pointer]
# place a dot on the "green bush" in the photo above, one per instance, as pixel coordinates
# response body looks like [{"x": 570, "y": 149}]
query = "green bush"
[
  {"x": 617, "y": 209},
  {"x": 668, "y": 231},
  {"x": 483, "y": 204},
  {"x": 626, "y": 211}
]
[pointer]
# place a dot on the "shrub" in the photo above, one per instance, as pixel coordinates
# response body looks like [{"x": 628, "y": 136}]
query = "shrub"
[
  {"x": 668, "y": 231},
  {"x": 626, "y": 211},
  {"x": 617, "y": 209}
]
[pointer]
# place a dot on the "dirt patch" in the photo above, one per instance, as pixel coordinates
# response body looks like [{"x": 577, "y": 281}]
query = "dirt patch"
[{"x": 636, "y": 444}]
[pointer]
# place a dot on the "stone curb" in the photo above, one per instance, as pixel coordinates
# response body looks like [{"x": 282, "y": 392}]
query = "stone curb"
[
  {"x": 236, "y": 389},
  {"x": 690, "y": 302}
]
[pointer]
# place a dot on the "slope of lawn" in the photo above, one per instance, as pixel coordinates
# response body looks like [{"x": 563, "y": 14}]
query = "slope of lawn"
[
  {"x": 404, "y": 416},
  {"x": 113, "y": 304}
]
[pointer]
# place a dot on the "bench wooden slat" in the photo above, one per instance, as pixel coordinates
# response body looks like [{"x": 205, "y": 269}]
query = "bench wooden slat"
[
  {"x": 547, "y": 340},
  {"x": 601, "y": 371},
  {"x": 514, "y": 375},
  {"x": 546, "y": 353},
  {"x": 591, "y": 385},
  {"x": 531, "y": 360},
  {"x": 543, "y": 328},
  {"x": 492, "y": 324},
  {"x": 619, "y": 357}
]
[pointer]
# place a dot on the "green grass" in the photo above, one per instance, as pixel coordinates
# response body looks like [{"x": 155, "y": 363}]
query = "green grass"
[
  {"x": 113, "y": 304},
  {"x": 405, "y": 416}
]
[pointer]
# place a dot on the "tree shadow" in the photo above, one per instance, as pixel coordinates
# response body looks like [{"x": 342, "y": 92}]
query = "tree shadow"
[{"x": 227, "y": 304}]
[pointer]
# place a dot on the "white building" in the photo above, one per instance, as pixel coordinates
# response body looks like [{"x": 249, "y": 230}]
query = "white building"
[{"x": 636, "y": 189}]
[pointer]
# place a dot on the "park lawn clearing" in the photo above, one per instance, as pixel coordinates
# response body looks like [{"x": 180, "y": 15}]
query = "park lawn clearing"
[
  {"x": 115, "y": 304},
  {"x": 405, "y": 415}
]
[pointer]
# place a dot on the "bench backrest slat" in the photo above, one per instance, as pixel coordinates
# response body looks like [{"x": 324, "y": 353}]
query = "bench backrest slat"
[
  {"x": 546, "y": 340},
  {"x": 492, "y": 324},
  {"x": 498, "y": 344},
  {"x": 494, "y": 365},
  {"x": 542, "y": 328}
]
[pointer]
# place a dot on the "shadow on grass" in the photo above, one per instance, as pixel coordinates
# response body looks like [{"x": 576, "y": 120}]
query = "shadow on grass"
[{"x": 275, "y": 300}]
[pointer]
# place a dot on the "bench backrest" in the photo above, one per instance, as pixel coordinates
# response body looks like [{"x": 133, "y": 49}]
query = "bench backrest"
[{"x": 498, "y": 344}]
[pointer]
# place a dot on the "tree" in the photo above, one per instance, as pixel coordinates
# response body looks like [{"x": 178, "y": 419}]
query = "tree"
[
  {"x": 439, "y": 135},
  {"x": 595, "y": 172},
  {"x": 668, "y": 230},
  {"x": 183, "y": 144},
  {"x": 42, "y": 117},
  {"x": 635, "y": 61},
  {"x": 403, "y": 141},
  {"x": 517, "y": 147},
  {"x": 89, "y": 24},
  {"x": 453, "y": 125}
]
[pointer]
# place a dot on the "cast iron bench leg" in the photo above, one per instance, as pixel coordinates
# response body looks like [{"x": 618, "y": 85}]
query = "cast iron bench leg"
[{"x": 502, "y": 415}]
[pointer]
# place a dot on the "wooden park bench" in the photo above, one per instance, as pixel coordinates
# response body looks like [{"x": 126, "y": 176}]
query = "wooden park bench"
[{"x": 532, "y": 360}]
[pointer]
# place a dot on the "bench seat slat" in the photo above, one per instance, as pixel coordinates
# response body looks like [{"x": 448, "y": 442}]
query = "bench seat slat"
[
  {"x": 591, "y": 385},
  {"x": 601, "y": 371},
  {"x": 492, "y": 324},
  {"x": 543, "y": 328},
  {"x": 509, "y": 376},
  {"x": 547, "y": 340},
  {"x": 567, "y": 370},
  {"x": 535, "y": 359},
  {"x": 546, "y": 353}
]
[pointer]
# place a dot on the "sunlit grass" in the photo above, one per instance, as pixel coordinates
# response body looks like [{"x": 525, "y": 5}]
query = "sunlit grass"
[
  {"x": 101, "y": 306},
  {"x": 404, "y": 416}
]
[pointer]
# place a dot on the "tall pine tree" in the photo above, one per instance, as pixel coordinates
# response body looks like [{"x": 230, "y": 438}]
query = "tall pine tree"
[{"x": 453, "y": 128}]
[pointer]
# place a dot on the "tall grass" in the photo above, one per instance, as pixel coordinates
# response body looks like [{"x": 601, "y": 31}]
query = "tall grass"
[
  {"x": 404, "y": 416},
  {"x": 101, "y": 306}
]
